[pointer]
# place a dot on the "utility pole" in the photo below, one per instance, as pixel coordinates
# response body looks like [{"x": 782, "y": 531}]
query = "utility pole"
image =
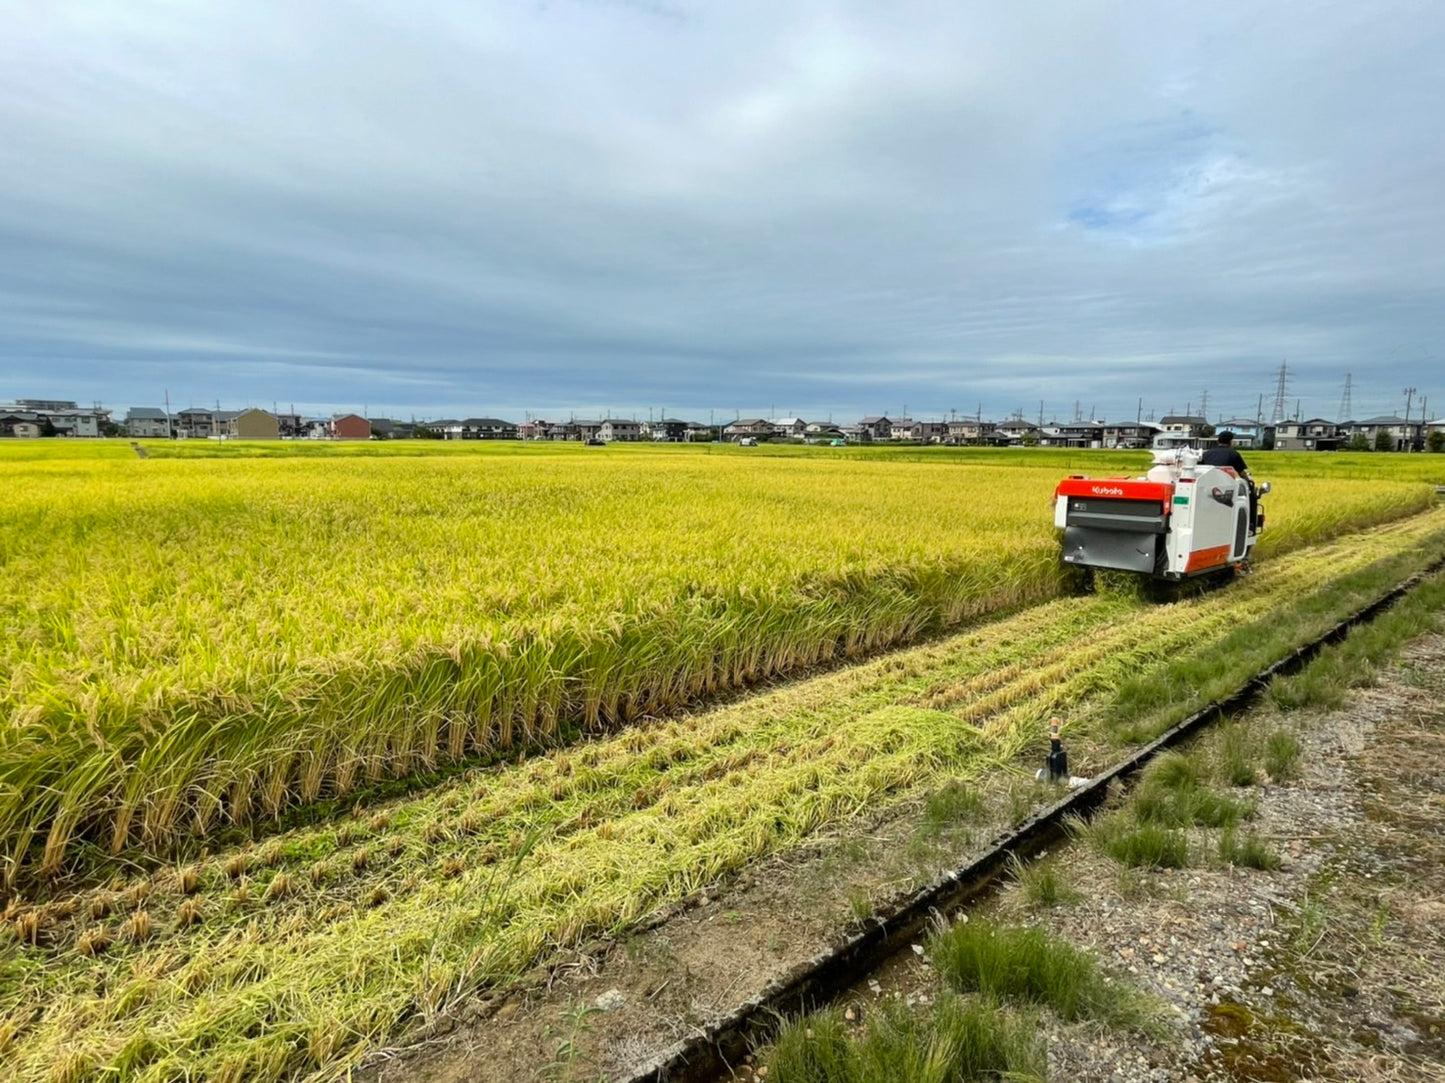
[
  {"x": 170, "y": 429},
  {"x": 1409, "y": 396},
  {"x": 1139, "y": 411},
  {"x": 1041, "y": 413}
]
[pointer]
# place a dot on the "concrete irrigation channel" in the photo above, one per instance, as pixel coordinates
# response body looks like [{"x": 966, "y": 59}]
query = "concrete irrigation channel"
[{"x": 713, "y": 1050}]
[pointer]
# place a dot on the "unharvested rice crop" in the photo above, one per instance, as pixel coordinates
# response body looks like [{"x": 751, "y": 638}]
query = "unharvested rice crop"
[
  {"x": 230, "y": 976},
  {"x": 188, "y": 643}
]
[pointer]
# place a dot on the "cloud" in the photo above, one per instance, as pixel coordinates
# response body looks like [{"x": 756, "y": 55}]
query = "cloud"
[{"x": 538, "y": 207}]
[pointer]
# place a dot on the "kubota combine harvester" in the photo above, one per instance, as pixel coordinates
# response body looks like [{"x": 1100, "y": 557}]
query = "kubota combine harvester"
[{"x": 1180, "y": 520}]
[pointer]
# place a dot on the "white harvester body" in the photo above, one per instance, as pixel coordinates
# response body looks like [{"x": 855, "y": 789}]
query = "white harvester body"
[{"x": 1182, "y": 519}]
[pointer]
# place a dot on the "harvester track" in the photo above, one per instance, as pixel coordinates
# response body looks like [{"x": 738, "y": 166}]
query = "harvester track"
[{"x": 709, "y": 1053}]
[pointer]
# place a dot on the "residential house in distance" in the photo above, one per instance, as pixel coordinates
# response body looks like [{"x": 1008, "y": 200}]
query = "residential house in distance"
[
  {"x": 1137, "y": 434},
  {"x": 19, "y": 424},
  {"x": 579, "y": 429},
  {"x": 74, "y": 421},
  {"x": 618, "y": 428},
  {"x": 1316, "y": 434},
  {"x": 823, "y": 432},
  {"x": 1076, "y": 434},
  {"x": 348, "y": 427},
  {"x": 487, "y": 428},
  {"x": 147, "y": 423},
  {"x": 930, "y": 432},
  {"x": 1401, "y": 433},
  {"x": 745, "y": 427},
  {"x": 792, "y": 428},
  {"x": 1015, "y": 429},
  {"x": 292, "y": 426},
  {"x": 195, "y": 423},
  {"x": 1183, "y": 425},
  {"x": 1248, "y": 432},
  {"x": 252, "y": 424},
  {"x": 667, "y": 430},
  {"x": 876, "y": 427},
  {"x": 901, "y": 428},
  {"x": 968, "y": 430}
]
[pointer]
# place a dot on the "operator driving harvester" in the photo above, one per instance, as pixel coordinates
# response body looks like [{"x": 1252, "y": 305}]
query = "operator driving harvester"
[{"x": 1190, "y": 515}]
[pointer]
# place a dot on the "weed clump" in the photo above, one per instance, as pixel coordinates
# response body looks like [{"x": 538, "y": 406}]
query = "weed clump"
[
  {"x": 1252, "y": 852},
  {"x": 1139, "y": 844},
  {"x": 1032, "y": 965},
  {"x": 958, "y": 1039},
  {"x": 1174, "y": 794},
  {"x": 1282, "y": 751},
  {"x": 1043, "y": 885}
]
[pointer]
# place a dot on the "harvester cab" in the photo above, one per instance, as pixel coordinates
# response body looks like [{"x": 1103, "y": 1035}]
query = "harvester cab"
[{"x": 1182, "y": 519}]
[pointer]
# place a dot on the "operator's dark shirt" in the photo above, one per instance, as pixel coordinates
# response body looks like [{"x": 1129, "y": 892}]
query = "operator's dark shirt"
[{"x": 1223, "y": 455}]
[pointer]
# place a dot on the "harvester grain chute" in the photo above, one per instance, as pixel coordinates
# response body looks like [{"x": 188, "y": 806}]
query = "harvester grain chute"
[{"x": 1181, "y": 520}]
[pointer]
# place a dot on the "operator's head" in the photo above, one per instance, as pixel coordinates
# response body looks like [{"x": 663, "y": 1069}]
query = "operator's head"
[{"x": 1226, "y": 438}]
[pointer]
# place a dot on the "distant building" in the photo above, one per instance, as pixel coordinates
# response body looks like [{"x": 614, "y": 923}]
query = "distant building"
[
  {"x": 487, "y": 428},
  {"x": 875, "y": 427},
  {"x": 194, "y": 423},
  {"x": 1248, "y": 432},
  {"x": 1186, "y": 424},
  {"x": 617, "y": 428},
  {"x": 253, "y": 424},
  {"x": 748, "y": 428},
  {"x": 900, "y": 428},
  {"x": 348, "y": 427},
  {"x": 1400, "y": 433},
  {"x": 77, "y": 422},
  {"x": 968, "y": 431},
  {"x": 1316, "y": 434},
  {"x": 1015, "y": 429},
  {"x": 19, "y": 424},
  {"x": 1129, "y": 435},
  {"x": 668, "y": 430},
  {"x": 584, "y": 430},
  {"x": 789, "y": 427},
  {"x": 147, "y": 422}
]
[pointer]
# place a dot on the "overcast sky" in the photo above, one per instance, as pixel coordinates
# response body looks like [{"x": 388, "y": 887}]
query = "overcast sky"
[{"x": 817, "y": 209}]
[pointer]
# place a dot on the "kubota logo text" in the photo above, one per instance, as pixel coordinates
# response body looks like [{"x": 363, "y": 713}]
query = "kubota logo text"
[{"x": 1105, "y": 490}]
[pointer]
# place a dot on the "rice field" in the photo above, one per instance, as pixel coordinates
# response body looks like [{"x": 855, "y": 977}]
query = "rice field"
[
  {"x": 292, "y": 956},
  {"x": 195, "y": 642}
]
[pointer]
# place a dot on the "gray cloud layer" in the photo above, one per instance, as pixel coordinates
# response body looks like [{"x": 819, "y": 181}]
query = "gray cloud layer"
[{"x": 823, "y": 208}]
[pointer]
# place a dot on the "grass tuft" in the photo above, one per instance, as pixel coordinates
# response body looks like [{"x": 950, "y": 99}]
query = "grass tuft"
[
  {"x": 1139, "y": 845},
  {"x": 1282, "y": 751},
  {"x": 1032, "y": 965},
  {"x": 958, "y": 1038},
  {"x": 1044, "y": 885},
  {"x": 1250, "y": 853}
]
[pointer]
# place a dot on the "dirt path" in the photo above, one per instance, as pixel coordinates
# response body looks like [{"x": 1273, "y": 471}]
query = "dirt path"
[{"x": 1331, "y": 967}]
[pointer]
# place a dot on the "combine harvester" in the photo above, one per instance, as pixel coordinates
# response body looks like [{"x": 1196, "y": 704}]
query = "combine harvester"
[{"x": 1180, "y": 521}]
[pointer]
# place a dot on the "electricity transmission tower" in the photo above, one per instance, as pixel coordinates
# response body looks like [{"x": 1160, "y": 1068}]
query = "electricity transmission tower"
[
  {"x": 1346, "y": 406},
  {"x": 1280, "y": 391}
]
